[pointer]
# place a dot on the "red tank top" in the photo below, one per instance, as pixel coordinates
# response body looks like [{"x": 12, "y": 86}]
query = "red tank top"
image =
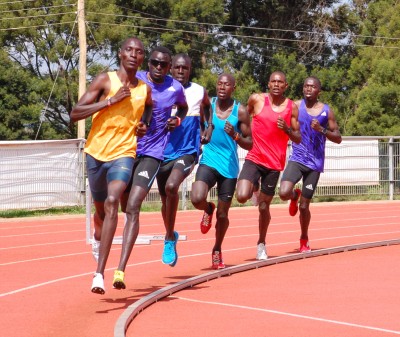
[{"x": 270, "y": 142}]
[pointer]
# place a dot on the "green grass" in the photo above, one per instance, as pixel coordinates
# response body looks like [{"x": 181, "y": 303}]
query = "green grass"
[
  {"x": 155, "y": 206},
  {"x": 21, "y": 213}
]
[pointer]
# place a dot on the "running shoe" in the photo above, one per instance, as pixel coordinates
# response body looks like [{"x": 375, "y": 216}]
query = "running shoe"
[
  {"x": 217, "y": 262},
  {"x": 205, "y": 223},
  {"x": 304, "y": 246},
  {"x": 170, "y": 255},
  {"x": 261, "y": 252},
  {"x": 255, "y": 198},
  {"x": 95, "y": 249},
  {"x": 118, "y": 281},
  {"x": 294, "y": 207},
  {"x": 98, "y": 284}
]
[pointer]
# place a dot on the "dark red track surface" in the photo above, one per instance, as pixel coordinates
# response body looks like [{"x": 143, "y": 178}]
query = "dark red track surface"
[{"x": 46, "y": 270}]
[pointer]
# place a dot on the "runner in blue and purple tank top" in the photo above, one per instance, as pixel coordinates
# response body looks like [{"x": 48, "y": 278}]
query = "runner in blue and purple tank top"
[
  {"x": 166, "y": 93},
  {"x": 317, "y": 123},
  {"x": 181, "y": 152}
]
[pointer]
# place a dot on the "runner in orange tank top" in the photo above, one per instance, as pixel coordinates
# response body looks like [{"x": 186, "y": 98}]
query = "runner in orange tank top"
[
  {"x": 121, "y": 109},
  {"x": 274, "y": 122}
]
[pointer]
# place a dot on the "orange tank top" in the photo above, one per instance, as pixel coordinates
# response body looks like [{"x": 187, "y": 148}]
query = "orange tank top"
[
  {"x": 270, "y": 142},
  {"x": 113, "y": 131}
]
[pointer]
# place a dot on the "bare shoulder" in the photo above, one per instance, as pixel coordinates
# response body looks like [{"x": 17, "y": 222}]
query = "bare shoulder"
[
  {"x": 256, "y": 97},
  {"x": 297, "y": 102}
]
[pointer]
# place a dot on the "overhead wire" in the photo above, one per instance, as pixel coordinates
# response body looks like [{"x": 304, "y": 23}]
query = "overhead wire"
[
  {"x": 55, "y": 80},
  {"x": 38, "y": 8}
]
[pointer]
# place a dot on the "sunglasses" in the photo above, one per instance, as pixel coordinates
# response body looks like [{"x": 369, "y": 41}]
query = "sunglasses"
[{"x": 156, "y": 63}]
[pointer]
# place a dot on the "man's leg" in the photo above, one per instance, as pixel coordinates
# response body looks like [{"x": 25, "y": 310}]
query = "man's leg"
[
  {"x": 264, "y": 216},
  {"x": 305, "y": 217},
  {"x": 131, "y": 229},
  {"x": 244, "y": 190},
  {"x": 111, "y": 205},
  {"x": 310, "y": 182},
  {"x": 98, "y": 219},
  {"x": 140, "y": 186},
  {"x": 222, "y": 224},
  {"x": 172, "y": 201},
  {"x": 205, "y": 179}
]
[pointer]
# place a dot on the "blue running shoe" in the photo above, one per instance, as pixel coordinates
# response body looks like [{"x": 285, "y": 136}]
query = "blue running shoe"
[
  {"x": 170, "y": 255},
  {"x": 176, "y": 253}
]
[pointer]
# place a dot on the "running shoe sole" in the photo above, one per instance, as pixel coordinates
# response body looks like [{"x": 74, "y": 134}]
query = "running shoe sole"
[
  {"x": 98, "y": 284},
  {"x": 118, "y": 281}
]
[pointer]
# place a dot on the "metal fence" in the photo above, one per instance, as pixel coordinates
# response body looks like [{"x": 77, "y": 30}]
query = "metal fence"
[
  {"x": 41, "y": 174},
  {"x": 359, "y": 166},
  {"x": 48, "y": 174}
]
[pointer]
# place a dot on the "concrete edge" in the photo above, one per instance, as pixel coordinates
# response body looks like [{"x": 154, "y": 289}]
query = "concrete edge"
[{"x": 134, "y": 309}]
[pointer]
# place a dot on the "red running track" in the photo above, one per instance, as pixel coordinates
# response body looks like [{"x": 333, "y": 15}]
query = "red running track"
[{"x": 46, "y": 271}]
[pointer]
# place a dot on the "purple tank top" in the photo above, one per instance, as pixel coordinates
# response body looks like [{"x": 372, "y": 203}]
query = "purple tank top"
[{"x": 311, "y": 151}]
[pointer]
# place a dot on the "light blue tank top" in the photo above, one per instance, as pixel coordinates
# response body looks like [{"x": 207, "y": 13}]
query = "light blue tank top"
[{"x": 221, "y": 152}]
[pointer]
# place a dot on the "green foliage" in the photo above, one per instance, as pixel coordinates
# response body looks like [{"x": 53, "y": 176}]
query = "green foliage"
[
  {"x": 358, "y": 66},
  {"x": 19, "y": 104},
  {"x": 374, "y": 75}
]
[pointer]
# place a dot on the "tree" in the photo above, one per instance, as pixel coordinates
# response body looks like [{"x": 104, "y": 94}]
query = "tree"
[
  {"x": 42, "y": 38},
  {"x": 374, "y": 75},
  {"x": 19, "y": 104}
]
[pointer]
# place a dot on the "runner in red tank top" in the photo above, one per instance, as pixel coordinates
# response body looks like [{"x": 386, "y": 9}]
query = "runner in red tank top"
[{"x": 275, "y": 121}]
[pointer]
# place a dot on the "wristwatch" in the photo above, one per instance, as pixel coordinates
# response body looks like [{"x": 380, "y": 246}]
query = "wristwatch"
[{"x": 324, "y": 131}]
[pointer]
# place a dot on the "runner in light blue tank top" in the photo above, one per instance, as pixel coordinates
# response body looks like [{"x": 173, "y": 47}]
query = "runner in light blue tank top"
[
  {"x": 221, "y": 152},
  {"x": 219, "y": 164}
]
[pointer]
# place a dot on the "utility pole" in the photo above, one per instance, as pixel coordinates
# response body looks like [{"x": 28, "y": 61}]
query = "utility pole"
[{"x": 82, "y": 60}]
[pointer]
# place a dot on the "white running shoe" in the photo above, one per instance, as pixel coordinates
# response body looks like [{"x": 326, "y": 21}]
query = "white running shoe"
[
  {"x": 261, "y": 252},
  {"x": 255, "y": 198},
  {"x": 95, "y": 249},
  {"x": 98, "y": 284}
]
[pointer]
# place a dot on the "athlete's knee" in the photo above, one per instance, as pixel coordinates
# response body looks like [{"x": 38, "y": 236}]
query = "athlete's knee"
[
  {"x": 171, "y": 188},
  {"x": 196, "y": 198},
  {"x": 304, "y": 208},
  {"x": 263, "y": 206},
  {"x": 111, "y": 204},
  {"x": 241, "y": 196},
  {"x": 285, "y": 191}
]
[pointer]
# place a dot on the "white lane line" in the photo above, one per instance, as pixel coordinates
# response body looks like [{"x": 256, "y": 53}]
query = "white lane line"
[
  {"x": 289, "y": 314},
  {"x": 273, "y": 225},
  {"x": 38, "y": 285},
  {"x": 16, "y": 291},
  {"x": 206, "y": 239},
  {"x": 42, "y": 244}
]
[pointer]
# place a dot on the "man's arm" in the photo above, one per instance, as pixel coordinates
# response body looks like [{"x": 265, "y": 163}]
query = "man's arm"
[
  {"x": 93, "y": 99},
  {"x": 147, "y": 114},
  {"x": 294, "y": 131},
  {"x": 206, "y": 115},
  {"x": 242, "y": 138},
  {"x": 332, "y": 131}
]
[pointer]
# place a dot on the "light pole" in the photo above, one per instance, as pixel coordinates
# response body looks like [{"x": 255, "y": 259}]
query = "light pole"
[{"x": 82, "y": 60}]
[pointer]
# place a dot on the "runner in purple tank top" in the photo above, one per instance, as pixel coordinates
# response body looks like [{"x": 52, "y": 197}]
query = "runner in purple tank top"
[{"x": 317, "y": 123}]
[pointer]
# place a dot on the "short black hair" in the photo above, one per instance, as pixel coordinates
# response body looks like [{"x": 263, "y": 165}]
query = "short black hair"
[
  {"x": 184, "y": 56},
  {"x": 161, "y": 49},
  {"x": 316, "y": 79}
]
